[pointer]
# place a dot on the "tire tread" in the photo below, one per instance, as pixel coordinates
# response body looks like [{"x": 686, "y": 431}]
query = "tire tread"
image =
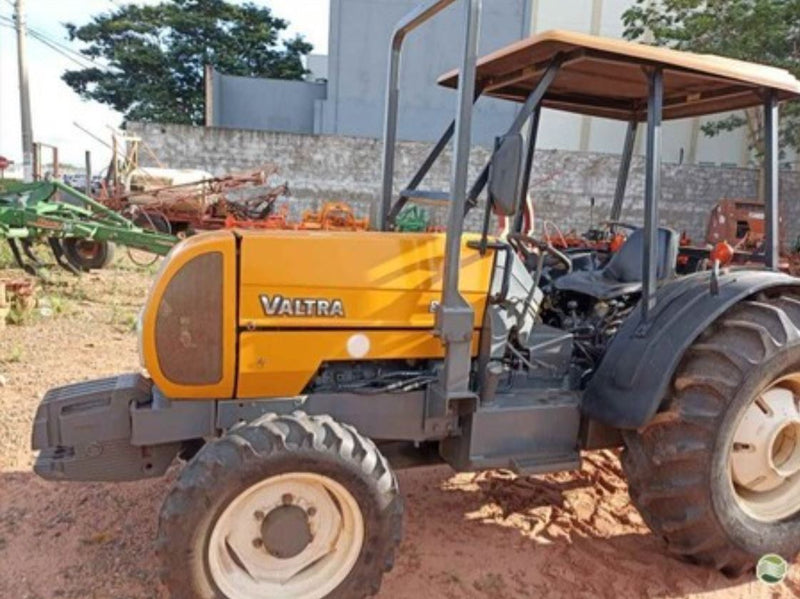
[
  {"x": 668, "y": 462},
  {"x": 264, "y": 438}
]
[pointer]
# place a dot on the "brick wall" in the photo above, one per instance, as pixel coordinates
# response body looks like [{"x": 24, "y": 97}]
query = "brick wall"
[{"x": 322, "y": 168}]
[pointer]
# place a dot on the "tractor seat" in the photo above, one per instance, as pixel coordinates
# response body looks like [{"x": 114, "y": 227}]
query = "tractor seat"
[{"x": 622, "y": 274}]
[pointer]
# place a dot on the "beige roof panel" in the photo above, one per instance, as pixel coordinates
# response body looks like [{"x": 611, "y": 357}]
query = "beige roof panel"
[{"x": 608, "y": 77}]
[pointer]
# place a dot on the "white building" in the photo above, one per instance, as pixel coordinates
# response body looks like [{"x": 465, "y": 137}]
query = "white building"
[
  {"x": 345, "y": 93},
  {"x": 683, "y": 140}
]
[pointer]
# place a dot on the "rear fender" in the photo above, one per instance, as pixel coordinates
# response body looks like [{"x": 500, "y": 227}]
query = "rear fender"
[{"x": 634, "y": 375}]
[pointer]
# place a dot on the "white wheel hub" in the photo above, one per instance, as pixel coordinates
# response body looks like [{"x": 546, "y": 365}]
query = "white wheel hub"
[
  {"x": 294, "y": 536},
  {"x": 765, "y": 454}
]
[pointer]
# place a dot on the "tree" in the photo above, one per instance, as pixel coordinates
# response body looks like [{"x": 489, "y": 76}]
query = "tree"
[
  {"x": 156, "y": 55},
  {"x": 762, "y": 31}
]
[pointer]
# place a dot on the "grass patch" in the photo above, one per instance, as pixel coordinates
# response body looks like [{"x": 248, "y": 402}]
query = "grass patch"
[
  {"x": 122, "y": 319},
  {"x": 14, "y": 355},
  {"x": 6, "y": 257}
]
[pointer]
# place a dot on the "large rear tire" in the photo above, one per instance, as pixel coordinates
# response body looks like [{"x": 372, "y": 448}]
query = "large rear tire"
[
  {"x": 717, "y": 471},
  {"x": 297, "y": 507}
]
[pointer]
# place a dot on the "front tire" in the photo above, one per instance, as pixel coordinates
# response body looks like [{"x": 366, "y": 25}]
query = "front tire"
[
  {"x": 717, "y": 471},
  {"x": 297, "y": 507}
]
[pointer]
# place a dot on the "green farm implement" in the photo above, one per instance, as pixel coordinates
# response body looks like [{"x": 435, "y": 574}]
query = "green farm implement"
[{"x": 79, "y": 230}]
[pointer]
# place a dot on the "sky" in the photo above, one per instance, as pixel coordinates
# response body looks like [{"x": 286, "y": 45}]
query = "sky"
[{"x": 55, "y": 107}]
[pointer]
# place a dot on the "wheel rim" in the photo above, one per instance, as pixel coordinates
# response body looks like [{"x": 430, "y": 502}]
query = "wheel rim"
[
  {"x": 765, "y": 453},
  {"x": 295, "y": 536},
  {"x": 88, "y": 250}
]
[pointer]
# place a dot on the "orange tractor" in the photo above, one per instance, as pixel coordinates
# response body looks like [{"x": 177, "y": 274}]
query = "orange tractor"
[{"x": 736, "y": 231}]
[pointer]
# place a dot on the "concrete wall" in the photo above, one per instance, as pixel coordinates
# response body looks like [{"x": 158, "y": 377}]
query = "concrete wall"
[
  {"x": 317, "y": 65},
  {"x": 322, "y": 168},
  {"x": 269, "y": 104}
]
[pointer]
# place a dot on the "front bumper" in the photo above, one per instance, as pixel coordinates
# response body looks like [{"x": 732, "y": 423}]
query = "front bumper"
[{"x": 83, "y": 432}]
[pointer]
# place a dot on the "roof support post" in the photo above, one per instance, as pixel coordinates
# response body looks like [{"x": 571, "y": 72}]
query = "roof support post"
[
  {"x": 532, "y": 103},
  {"x": 454, "y": 315},
  {"x": 771, "y": 180},
  {"x": 652, "y": 191},
  {"x": 407, "y": 24},
  {"x": 624, "y": 171},
  {"x": 533, "y": 133}
]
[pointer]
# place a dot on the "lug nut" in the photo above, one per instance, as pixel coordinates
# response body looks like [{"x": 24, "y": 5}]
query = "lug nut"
[
  {"x": 287, "y": 498},
  {"x": 312, "y": 511},
  {"x": 258, "y": 543},
  {"x": 259, "y": 515}
]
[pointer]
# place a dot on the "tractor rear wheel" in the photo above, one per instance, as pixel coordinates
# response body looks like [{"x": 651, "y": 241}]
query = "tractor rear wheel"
[
  {"x": 717, "y": 471},
  {"x": 298, "y": 507}
]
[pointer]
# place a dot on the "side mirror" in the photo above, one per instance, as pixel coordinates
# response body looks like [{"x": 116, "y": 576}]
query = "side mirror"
[{"x": 504, "y": 174}]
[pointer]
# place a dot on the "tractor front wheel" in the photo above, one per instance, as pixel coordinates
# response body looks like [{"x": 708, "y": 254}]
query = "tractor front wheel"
[
  {"x": 298, "y": 507},
  {"x": 717, "y": 471}
]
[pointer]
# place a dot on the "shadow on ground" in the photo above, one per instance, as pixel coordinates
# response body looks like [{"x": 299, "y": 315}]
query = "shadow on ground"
[{"x": 489, "y": 535}]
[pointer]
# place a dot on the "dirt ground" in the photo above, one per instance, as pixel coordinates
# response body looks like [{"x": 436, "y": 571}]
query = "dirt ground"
[{"x": 490, "y": 535}]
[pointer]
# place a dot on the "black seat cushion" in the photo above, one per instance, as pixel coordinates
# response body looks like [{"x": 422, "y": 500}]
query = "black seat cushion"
[
  {"x": 626, "y": 265},
  {"x": 623, "y": 272}
]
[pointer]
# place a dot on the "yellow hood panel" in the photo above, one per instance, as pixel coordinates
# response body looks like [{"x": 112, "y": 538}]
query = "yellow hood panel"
[{"x": 351, "y": 280}]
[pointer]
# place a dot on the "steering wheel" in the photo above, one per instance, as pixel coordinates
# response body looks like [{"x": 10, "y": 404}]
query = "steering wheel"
[{"x": 526, "y": 246}]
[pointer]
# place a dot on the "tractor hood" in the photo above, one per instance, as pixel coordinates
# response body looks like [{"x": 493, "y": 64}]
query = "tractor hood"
[
  {"x": 368, "y": 280},
  {"x": 256, "y": 313}
]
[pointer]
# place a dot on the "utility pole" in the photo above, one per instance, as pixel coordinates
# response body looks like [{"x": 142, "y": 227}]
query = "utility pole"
[{"x": 24, "y": 95}]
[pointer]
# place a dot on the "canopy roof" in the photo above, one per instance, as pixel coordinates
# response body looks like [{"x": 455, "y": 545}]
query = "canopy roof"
[{"x": 608, "y": 77}]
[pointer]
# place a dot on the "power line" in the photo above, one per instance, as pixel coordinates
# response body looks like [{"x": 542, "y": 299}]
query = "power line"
[
  {"x": 55, "y": 48},
  {"x": 65, "y": 51},
  {"x": 46, "y": 39},
  {"x": 71, "y": 54},
  {"x": 39, "y": 37},
  {"x": 83, "y": 65}
]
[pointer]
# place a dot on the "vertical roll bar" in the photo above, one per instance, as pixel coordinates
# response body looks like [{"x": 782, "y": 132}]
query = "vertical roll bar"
[
  {"x": 652, "y": 191},
  {"x": 407, "y": 24},
  {"x": 454, "y": 315},
  {"x": 771, "y": 181},
  {"x": 462, "y": 140}
]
